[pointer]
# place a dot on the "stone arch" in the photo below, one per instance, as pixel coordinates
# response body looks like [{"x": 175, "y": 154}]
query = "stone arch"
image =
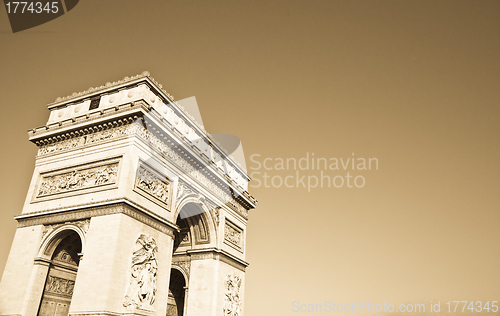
[
  {"x": 194, "y": 198},
  {"x": 60, "y": 250},
  {"x": 198, "y": 215},
  {"x": 201, "y": 225},
  {"x": 177, "y": 292},
  {"x": 55, "y": 235}
]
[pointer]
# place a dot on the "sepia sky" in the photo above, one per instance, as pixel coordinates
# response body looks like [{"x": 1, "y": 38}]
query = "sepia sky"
[{"x": 414, "y": 84}]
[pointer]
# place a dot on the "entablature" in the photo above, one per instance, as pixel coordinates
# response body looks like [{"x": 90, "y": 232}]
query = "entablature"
[{"x": 144, "y": 113}]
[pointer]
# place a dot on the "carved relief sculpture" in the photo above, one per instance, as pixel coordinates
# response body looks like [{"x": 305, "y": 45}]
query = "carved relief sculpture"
[
  {"x": 232, "y": 235},
  {"x": 153, "y": 184},
  {"x": 59, "y": 285},
  {"x": 141, "y": 290},
  {"x": 232, "y": 300},
  {"x": 78, "y": 179},
  {"x": 183, "y": 189}
]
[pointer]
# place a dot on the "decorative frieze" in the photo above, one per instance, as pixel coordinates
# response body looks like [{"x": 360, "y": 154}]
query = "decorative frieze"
[
  {"x": 58, "y": 285},
  {"x": 82, "y": 177},
  {"x": 96, "y": 135},
  {"x": 233, "y": 235},
  {"x": 153, "y": 184},
  {"x": 141, "y": 290},
  {"x": 232, "y": 299}
]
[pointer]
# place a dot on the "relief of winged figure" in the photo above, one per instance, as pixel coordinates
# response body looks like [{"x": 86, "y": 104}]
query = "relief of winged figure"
[{"x": 142, "y": 287}]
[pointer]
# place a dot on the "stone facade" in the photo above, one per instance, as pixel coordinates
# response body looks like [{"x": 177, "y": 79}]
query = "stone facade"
[{"x": 132, "y": 210}]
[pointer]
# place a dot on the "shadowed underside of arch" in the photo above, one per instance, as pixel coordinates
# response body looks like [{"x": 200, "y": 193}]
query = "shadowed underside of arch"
[
  {"x": 176, "y": 293},
  {"x": 195, "y": 224}
]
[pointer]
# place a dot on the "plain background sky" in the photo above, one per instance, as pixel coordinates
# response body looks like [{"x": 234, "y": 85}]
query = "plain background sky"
[{"x": 412, "y": 83}]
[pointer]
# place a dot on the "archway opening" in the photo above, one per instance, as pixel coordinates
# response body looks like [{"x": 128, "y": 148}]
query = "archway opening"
[
  {"x": 176, "y": 293},
  {"x": 61, "y": 276},
  {"x": 184, "y": 235}
]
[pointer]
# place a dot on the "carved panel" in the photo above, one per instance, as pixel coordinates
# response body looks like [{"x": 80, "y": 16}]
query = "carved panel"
[
  {"x": 233, "y": 235},
  {"x": 232, "y": 300},
  {"x": 153, "y": 184},
  {"x": 141, "y": 290},
  {"x": 59, "y": 285},
  {"x": 78, "y": 178}
]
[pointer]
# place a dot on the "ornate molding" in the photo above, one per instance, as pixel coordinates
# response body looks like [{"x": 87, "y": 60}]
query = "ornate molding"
[
  {"x": 141, "y": 290},
  {"x": 78, "y": 178},
  {"x": 107, "y": 85},
  {"x": 91, "y": 135},
  {"x": 220, "y": 255},
  {"x": 153, "y": 184},
  {"x": 42, "y": 218},
  {"x": 184, "y": 265},
  {"x": 200, "y": 229},
  {"x": 83, "y": 224},
  {"x": 232, "y": 299}
]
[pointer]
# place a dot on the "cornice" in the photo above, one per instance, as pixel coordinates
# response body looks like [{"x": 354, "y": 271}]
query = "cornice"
[
  {"x": 157, "y": 88},
  {"x": 88, "y": 210},
  {"x": 86, "y": 123},
  {"x": 217, "y": 254}
]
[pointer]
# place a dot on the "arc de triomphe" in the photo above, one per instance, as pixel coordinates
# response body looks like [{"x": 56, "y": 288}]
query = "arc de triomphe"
[{"x": 133, "y": 209}]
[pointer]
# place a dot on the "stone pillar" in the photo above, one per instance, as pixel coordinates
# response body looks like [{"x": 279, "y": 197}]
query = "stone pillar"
[
  {"x": 35, "y": 287},
  {"x": 202, "y": 298},
  {"x": 20, "y": 272},
  {"x": 106, "y": 274}
]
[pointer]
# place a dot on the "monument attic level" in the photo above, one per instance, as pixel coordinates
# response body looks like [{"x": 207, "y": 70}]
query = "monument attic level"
[{"x": 128, "y": 190}]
